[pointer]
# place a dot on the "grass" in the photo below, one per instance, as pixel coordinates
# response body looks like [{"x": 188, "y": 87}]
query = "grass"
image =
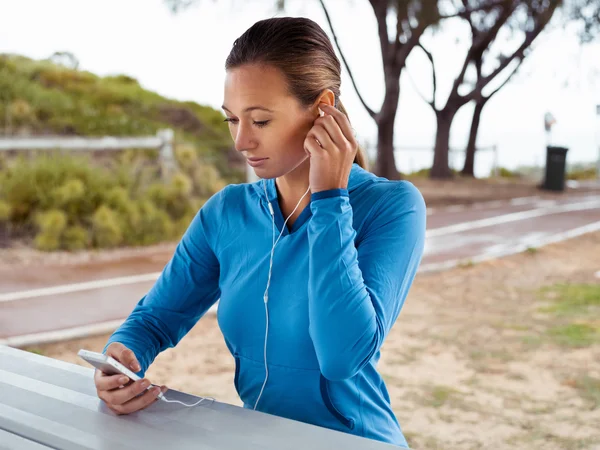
[
  {"x": 570, "y": 307},
  {"x": 37, "y": 351},
  {"x": 589, "y": 390},
  {"x": 571, "y": 299},
  {"x": 575, "y": 335},
  {"x": 440, "y": 395},
  {"x": 466, "y": 264},
  {"x": 541, "y": 435},
  {"x": 531, "y": 342}
]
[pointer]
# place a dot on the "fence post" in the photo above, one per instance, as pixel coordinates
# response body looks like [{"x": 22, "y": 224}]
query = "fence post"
[
  {"x": 166, "y": 156},
  {"x": 495, "y": 166}
]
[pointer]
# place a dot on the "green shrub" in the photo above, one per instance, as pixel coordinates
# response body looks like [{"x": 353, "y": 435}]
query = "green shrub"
[
  {"x": 582, "y": 173},
  {"x": 75, "y": 238},
  {"x": 503, "y": 172},
  {"x": 106, "y": 198},
  {"x": 5, "y": 210},
  {"x": 69, "y": 192},
  {"x": 207, "y": 181},
  {"x": 181, "y": 185},
  {"x": 47, "y": 241},
  {"x": 155, "y": 225},
  {"x": 106, "y": 230},
  {"x": 51, "y": 181},
  {"x": 117, "y": 198},
  {"x": 186, "y": 157},
  {"x": 52, "y": 222}
]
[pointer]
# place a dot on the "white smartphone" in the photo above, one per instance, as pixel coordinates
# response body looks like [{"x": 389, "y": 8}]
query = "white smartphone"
[{"x": 110, "y": 366}]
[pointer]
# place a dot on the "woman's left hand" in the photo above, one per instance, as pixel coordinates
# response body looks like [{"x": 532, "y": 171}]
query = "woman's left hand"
[{"x": 330, "y": 162}]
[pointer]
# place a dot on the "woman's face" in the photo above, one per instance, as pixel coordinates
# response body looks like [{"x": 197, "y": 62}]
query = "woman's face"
[{"x": 265, "y": 120}]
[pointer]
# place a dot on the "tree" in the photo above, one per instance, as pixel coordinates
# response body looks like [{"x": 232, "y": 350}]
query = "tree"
[
  {"x": 410, "y": 19},
  {"x": 66, "y": 59},
  {"x": 486, "y": 19},
  {"x": 584, "y": 12},
  {"x": 480, "y": 102},
  {"x": 587, "y": 14}
]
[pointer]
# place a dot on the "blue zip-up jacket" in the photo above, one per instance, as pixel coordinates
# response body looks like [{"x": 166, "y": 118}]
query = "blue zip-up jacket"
[{"x": 340, "y": 277}]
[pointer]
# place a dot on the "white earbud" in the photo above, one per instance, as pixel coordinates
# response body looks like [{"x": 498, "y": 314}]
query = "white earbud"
[{"x": 266, "y": 294}]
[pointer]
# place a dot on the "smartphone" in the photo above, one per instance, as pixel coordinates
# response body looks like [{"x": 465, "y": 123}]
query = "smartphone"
[{"x": 110, "y": 366}]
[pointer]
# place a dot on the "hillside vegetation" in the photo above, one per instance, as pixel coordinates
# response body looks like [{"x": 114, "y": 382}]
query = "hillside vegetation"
[{"x": 74, "y": 200}]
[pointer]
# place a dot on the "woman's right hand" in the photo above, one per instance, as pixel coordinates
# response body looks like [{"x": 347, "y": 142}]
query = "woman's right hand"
[{"x": 120, "y": 393}]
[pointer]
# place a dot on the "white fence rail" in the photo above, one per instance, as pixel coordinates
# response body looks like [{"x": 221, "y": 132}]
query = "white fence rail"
[{"x": 163, "y": 141}]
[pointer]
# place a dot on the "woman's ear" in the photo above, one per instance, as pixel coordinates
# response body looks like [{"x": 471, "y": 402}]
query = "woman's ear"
[{"x": 328, "y": 97}]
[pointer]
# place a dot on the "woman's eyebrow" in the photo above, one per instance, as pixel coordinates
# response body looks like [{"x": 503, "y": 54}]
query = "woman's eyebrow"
[{"x": 250, "y": 108}]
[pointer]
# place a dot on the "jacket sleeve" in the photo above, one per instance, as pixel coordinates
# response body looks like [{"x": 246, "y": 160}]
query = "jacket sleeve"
[
  {"x": 357, "y": 292},
  {"x": 187, "y": 287}
]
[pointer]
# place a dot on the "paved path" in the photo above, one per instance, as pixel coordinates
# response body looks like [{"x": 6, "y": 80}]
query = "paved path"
[{"x": 38, "y": 305}]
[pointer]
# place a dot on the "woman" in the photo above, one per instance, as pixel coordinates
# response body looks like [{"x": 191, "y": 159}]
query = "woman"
[{"x": 308, "y": 285}]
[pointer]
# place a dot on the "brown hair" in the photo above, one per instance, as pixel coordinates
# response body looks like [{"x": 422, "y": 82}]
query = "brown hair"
[{"x": 302, "y": 51}]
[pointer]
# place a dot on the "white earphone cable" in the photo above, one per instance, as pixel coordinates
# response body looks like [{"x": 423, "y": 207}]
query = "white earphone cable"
[
  {"x": 266, "y": 294},
  {"x": 164, "y": 399}
]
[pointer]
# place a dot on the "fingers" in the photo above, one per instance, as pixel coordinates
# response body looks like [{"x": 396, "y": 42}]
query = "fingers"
[
  {"x": 341, "y": 120},
  {"x": 330, "y": 127},
  {"x": 137, "y": 403},
  {"x": 124, "y": 355},
  {"x": 319, "y": 133},
  {"x": 311, "y": 146},
  {"x": 108, "y": 382},
  {"x": 122, "y": 396}
]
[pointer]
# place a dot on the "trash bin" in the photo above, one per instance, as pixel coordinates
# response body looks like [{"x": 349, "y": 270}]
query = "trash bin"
[{"x": 556, "y": 163}]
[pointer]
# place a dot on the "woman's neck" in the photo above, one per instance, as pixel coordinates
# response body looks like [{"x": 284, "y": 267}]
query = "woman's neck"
[{"x": 291, "y": 187}]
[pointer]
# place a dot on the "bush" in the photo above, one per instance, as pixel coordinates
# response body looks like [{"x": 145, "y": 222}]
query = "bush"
[
  {"x": 47, "y": 242},
  {"x": 582, "y": 173},
  {"x": 69, "y": 202},
  {"x": 62, "y": 200},
  {"x": 5, "y": 211},
  {"x": 155, "y": 225},
  {"x": 51, "y": 225},
  {"x": 50, "y": 181},
  {"x": 52, "y": 222},
  {"x": 506, "y": 173},
  {"x": 207, "y": 181},
  {"x": 106, "y": 230},
  {"x": 75, "y": 238}
]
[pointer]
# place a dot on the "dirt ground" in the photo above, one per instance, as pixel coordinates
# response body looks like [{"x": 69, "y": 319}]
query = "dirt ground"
[{"x": 503, "y": 354}]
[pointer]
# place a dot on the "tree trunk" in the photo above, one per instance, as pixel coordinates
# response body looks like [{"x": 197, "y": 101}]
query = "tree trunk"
[
  {"x": 386, "y": 161},
  {"x": 440, "y": 168},
  {"x": 469, "y": 167}
]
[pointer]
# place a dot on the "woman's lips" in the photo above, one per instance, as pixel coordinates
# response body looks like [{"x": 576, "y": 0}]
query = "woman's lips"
[{"x": 255, "y": 162}]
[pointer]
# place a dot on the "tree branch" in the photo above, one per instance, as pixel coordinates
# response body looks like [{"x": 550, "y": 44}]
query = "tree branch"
[
  {"x": 369, "y": 110},
  {"x": 380, "y": 10},
  {"x": 481, "y": 42},
  {"x": 400, "y": 17},
  {"x": 464, "y": 13},
  {"x": 430, "y": 57},
  {"x": 418, "y": 91},
  {"x": 412, "y": 42},
  {"x": 505, "y": 81},
  {"x": 530, "y": 37}
]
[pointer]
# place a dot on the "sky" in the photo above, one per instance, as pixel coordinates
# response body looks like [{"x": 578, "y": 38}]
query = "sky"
[{"x": 182, "y": 57}]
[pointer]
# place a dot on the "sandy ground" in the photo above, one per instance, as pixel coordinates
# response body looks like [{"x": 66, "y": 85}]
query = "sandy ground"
[{"x": 474, "y": 360}]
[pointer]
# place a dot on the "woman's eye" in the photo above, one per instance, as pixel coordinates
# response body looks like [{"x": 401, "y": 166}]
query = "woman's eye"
[{"x": 259, "y": 124}]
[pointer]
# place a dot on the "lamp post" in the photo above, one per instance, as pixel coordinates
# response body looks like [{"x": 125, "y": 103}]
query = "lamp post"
[{"x": 598, "y": 140}]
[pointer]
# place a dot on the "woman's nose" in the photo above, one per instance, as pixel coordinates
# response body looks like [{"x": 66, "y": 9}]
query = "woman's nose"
[{"x": 244, "y": 139}]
